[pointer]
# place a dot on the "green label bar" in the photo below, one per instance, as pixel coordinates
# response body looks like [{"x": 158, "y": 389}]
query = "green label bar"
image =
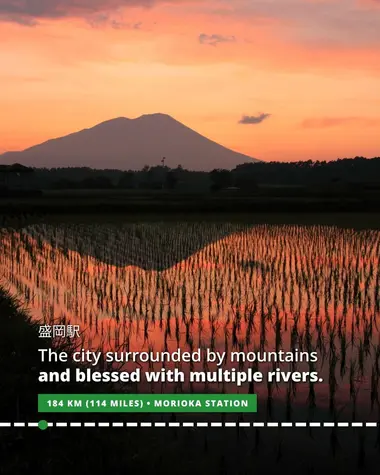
[{"x": 147, "y": 403}]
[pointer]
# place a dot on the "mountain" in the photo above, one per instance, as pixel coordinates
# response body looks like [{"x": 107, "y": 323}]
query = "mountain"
[{"x": 125, "y": 144}]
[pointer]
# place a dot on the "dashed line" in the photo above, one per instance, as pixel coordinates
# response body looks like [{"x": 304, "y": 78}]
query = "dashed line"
[
  {"x": 194, "y": 424},
  {"x": 258, "y": 424},
  {"x": 216, "y": 424},
  {"x": 244, "y": 424},
  {"x": 159, "y": 424}
]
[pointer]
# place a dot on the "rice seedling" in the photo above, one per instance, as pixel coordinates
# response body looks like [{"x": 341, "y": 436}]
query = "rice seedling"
[{"x": 221, "y": 286}]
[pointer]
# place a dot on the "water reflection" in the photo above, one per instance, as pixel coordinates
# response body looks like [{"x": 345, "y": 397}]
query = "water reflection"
[{"x": 262, "y": 288}]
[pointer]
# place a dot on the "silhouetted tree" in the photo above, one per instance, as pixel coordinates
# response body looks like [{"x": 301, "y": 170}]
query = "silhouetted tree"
[
  {"x": 126, "y": 180},
  {"x": 171, "y": 179},
  {"x": 349, "y": 171},
  {"x": 220, "y": 179},
  {"x": 246, "y": 182},
  {"x": 99, "y": 182}
]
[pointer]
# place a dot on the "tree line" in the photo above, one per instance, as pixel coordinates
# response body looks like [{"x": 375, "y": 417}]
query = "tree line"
[{"x": 247, "y": 176}]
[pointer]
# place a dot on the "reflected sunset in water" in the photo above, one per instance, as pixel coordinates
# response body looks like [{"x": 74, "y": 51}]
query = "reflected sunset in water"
[{"x": 227, "y": 287}]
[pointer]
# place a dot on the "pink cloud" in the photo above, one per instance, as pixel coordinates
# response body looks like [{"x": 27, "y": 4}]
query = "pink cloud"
[{"x": 29, "y": 12}]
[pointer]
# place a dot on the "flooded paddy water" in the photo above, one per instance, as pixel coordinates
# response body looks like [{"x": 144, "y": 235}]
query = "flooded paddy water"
[{"x": 248, "y": 291}]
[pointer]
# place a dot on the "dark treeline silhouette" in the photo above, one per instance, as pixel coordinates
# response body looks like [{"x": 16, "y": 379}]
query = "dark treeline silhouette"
[
  {"x": 247, "y": 175},
  {"x": 349, "y": 170},
  {"x": 355, "y": 173},
  {"x": 148, "y": 178}
]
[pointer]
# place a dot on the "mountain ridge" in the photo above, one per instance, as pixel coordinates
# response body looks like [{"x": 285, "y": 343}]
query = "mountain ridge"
[{"x": 130, "y": 144}]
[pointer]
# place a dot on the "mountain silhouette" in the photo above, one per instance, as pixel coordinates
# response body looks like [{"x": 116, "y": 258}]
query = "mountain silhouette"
[{"x": 130, "y": 144}]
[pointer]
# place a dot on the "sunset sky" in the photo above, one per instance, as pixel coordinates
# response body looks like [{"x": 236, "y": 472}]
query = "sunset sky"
[{"x": 274, "y": 79}]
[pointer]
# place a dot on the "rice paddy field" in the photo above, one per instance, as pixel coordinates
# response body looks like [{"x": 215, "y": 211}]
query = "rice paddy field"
[{"x": 233, "y": 287}]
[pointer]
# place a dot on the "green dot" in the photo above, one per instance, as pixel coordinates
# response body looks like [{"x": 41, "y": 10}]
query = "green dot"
[{"x": 43, "y": 425}]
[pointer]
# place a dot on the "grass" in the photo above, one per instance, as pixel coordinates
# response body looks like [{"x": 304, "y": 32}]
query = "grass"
[
  {"x": 60, "y": 451},
  {"x": 26, "y": 450},
  {"x": 345, "y": 275},
  {"x": 20, "y": 364}
]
